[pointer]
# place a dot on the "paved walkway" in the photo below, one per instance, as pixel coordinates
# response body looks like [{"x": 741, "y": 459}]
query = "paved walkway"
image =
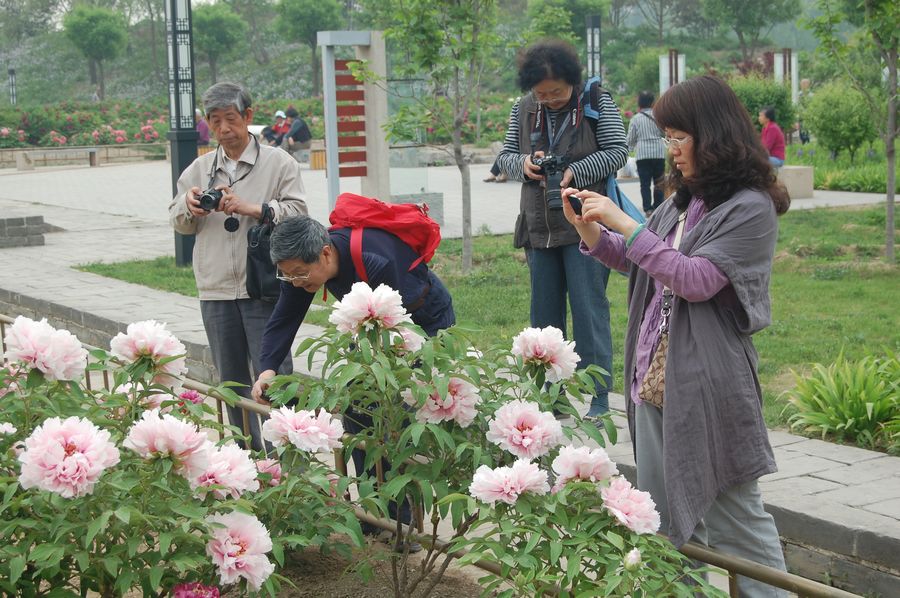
[{"x": 843, "y": 500}]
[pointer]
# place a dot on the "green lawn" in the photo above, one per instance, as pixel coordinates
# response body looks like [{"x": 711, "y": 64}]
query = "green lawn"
[{"x": 831, "y": 291}]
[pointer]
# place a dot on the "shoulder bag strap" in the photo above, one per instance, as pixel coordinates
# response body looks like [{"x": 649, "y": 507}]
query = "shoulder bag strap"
[
  {"x": 666, "y": 308},
  {"x": 356, "y": 235}
]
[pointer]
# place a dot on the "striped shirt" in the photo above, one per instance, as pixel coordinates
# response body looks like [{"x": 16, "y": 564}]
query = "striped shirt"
[
  {"x": 591, "y": 169},
  {"x": 644, "y": 135}
]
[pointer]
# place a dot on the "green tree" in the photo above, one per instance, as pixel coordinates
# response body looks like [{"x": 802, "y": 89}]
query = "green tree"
[
  {"x": 258, "y": 15},
  {"x": 756, "y": 92},
  {"x": 448, "y": 42},
  {"x": 657, "y": 13},
  {"x": 218, "y": 34},
  {"x": 879, "y": 30},
  {"x": 750, "y": 20},
  {"x": 20, "y": 19},
  {"x": 301, "y": 20},
  {"x": 562, "y": 18},
  {"x": 99, "y": 34},
  {"x": 838, "y": 116}
]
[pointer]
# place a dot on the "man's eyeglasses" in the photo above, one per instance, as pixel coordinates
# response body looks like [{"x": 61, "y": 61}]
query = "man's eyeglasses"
[
  {"x": 676, "y": 142},
  {"x": 289, "y": 278}
]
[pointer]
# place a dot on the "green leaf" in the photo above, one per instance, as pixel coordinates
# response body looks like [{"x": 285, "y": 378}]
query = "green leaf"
[
  {"x": 615, "y": 539},
  {"x": 555, "y": 551},
  {"x": 394, "y": 486},
  {"x": 123, "y": 514},
  {"x": 95, "y": 526},
  {"x": 165, "y": 540},
  {"x": 16, "y": 567}
]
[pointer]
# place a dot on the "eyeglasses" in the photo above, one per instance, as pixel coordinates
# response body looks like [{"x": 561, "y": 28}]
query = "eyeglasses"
[
  {"x": 288, "y": 278},
  {"x": 677, "y": 142}
]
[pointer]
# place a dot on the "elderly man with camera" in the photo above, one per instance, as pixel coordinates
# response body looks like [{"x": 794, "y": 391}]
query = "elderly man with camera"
[{"x": 220, "y": 196}]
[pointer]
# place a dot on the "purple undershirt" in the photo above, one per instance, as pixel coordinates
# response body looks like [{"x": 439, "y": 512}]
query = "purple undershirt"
[{"x": 691, "y": 278}]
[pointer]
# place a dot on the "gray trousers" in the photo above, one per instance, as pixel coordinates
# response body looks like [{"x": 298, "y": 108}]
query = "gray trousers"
[
  {"x": 234, "y": 330},
  {"x": 736, "y": 523}
]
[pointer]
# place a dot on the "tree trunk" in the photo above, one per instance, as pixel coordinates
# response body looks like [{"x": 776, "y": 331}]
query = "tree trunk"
[
  {"x": 101, "y": 79},
  {"x": 92, "y": 70},
  {"x": 153, "y": 49},
  {"x": 213, "y": 70},
  {"x": 315, "y": 72},
  {"x": 890, "y": 138},
  {"x": 466, "y": 175}
]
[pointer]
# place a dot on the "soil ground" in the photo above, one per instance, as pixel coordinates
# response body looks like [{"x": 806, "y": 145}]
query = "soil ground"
[{"x": 331, "y": 576}]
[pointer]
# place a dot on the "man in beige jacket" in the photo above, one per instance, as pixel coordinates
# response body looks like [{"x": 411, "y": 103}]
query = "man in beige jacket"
[{"x": 248, "y": 174}]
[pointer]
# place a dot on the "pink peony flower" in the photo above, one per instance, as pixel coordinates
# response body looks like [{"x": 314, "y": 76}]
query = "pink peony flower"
[
  {"x": 632, "y": 560},
  {"x": 271, "y": 467},
  {"x": 66, "y": 457},
  {"x": 521, "y": 428},
  {"x": 304, "y": 429},
  {"x": 120, "y": 139},
  {"x": 231, "y": 467},
  {"x": 363, "y": 308},
  {"x": 239, "y": 549},
  {"x": 191, "y": 396},
  {"x": 4, "y": 132},
  {"x": 409, "y": 341},
  {"x": 632, "y": 507},
  {"x": 168, "y": 437},
  {"x": 506, "y": 484},
  {"x": 7, "y": 428},
  {"x": 547, "y": 348},
  {"x": 10, "y": 385},
  {"x": 582, "y": 463},
  {"x": 56, "y": 353},
  {"x": 458, "y": 404},
  {"x": 194, "y": 590},
  {"x": 150, "y": 339}
]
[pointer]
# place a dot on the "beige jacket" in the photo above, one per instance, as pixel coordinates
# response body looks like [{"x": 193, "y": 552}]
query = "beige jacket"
[{"x": 220, "y": 257}]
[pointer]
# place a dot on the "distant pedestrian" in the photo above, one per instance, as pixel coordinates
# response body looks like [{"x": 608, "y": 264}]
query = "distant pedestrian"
[
  {"x": 645, "y": 140},
  {"x": 298, "y": 139},
  {"x": 772, "y": 136},
  {"x": 202, "y": 128}
]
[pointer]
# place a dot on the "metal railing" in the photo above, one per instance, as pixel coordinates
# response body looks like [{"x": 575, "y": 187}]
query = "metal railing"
[{"x": 734, "y": 566}]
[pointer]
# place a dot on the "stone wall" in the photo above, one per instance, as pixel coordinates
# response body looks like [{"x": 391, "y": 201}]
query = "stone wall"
[
  {"x": 22, "y": 231},
  {"x": 125, "y": 152}
]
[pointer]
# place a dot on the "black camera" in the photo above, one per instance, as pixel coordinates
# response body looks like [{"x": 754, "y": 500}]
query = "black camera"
[
  {"x": 209, "y": 200},
  {"x": 552, "y": 167}
]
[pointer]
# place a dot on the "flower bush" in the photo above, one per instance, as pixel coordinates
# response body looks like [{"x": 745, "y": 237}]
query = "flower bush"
[
  {"x": 139, "y": 488},
  {"x": 472, "y": 440}
]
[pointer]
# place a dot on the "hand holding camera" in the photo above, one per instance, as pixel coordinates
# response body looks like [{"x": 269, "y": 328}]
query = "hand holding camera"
[{"x": 553, "y": 169}]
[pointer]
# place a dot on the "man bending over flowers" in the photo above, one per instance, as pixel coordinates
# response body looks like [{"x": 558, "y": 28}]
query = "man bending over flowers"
[{"x": 308, "y": 257}]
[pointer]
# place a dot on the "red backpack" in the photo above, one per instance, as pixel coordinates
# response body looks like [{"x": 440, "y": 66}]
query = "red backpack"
[{"x": 410, "y": 222}]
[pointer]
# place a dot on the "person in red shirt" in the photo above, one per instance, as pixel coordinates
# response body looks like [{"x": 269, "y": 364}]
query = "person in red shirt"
[{"x": 772, "y": 136}]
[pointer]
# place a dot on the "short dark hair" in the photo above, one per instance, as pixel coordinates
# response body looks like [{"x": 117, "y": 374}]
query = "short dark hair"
[
  {"x": 728, "y": 153},
  {"x": 298, "y": 238},
  {"x": 645, "y": 99},
  {"x": 292, "y": 112},
  {"x": 769, "y": 112},
  {"x": 549, "y": 59}
]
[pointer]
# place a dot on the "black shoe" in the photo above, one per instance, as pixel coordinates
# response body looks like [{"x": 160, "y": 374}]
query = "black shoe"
[{"x": 386, "y": 537}]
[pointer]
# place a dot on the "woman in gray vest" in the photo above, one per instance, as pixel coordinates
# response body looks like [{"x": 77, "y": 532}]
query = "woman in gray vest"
[
  {"x": 699, "y": 280},
  {"x": 551, "y": 145}
]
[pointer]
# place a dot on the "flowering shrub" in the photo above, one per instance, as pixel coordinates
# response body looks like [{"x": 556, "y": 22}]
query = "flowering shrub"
[
  {"x": 11, "y": 137},
  {"x": 471, "y": 439},
  {"x": 139, "y": 488}
]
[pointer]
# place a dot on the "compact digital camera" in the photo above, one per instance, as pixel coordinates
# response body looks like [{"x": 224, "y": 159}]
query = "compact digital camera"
[{"x": 209, "y": 200}]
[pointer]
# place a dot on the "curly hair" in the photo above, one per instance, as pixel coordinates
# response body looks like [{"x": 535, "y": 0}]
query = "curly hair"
[
  {"x": 728, "y": 153},
  {"x": 549, "y": 59}
]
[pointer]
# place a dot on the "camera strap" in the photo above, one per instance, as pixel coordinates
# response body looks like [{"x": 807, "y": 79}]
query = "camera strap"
[
  {"x": 554, "y": 137},
  {"x": 231, "y": 182}
]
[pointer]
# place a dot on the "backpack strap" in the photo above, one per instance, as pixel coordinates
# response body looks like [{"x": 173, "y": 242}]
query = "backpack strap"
[{"x": 356, "y": 235}]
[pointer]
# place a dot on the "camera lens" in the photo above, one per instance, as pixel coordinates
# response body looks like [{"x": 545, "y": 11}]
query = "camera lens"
[{"x": 210, "y": 199}]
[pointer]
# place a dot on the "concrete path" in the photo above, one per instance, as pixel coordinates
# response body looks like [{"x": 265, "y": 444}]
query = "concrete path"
[{"x": 839, "y": 499}]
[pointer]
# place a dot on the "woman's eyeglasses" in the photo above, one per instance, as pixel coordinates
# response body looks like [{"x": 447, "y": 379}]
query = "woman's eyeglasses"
[
  {"x": 288, "y": 278},
  {"x": 676, "y": 142}
]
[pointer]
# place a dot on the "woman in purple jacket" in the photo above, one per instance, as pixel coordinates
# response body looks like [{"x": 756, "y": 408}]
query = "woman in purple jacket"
[{"x": 701, "y": 453}]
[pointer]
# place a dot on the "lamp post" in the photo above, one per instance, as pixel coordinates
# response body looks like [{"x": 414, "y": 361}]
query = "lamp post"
[
  {"x": 12, "y": 85},
  {"x": 182, "y": 132},
  {"x": 592, "y": 24}
]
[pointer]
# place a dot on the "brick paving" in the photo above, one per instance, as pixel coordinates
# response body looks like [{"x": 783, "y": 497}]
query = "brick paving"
[{"x": 843, "y": 499}]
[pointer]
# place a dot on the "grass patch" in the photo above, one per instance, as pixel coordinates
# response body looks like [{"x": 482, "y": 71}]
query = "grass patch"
[{"x": 830, "y": 291}]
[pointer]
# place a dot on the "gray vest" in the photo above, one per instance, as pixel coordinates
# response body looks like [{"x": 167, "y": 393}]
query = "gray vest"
[{"x": 538, "y": 226}]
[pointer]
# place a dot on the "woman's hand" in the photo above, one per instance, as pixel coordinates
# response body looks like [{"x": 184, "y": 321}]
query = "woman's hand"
[
  {"x": 531, "y": 171},
  {"x": 601, "y": 209},
  {"x": 588, "y": 231}
]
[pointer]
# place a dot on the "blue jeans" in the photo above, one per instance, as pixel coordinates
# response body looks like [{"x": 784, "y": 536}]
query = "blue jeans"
[
  {"x": 776, "y": 162},
  {"x": 561, "y": 271}
]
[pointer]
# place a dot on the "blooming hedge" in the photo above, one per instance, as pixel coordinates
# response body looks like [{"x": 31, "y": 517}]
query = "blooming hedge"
[{"x": 139, "y": 487}]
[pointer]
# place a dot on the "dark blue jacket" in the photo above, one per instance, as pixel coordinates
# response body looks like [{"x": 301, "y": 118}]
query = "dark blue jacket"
[{"x": 387, "y": 260}]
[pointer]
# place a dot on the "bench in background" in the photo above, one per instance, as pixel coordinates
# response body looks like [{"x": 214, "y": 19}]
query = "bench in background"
[
  {"x": 26, "y": 158},
  {"x": 798, "y": 180}
]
